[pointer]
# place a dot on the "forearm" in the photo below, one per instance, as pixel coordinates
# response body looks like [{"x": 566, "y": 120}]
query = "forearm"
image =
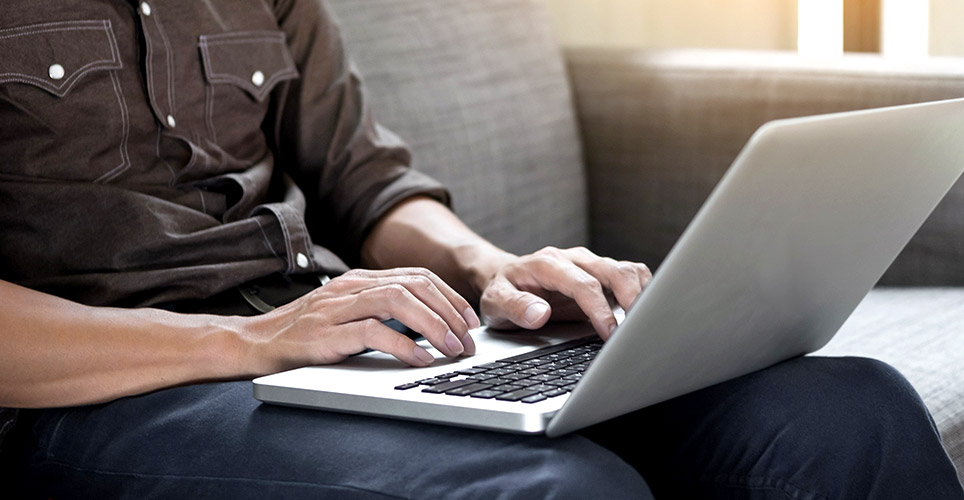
[
  {"x": 61, "y": 353},
  {"x": 421, "y": 232}
]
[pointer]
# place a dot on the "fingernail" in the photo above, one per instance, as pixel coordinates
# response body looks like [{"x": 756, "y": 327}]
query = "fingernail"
[
  {"x": 471, "y": 318},
  {"x": 423, "y": 355},
  {"x": 536, "y": 311},
  {"x": 469, "y": 344},
  {"x": 452, "y": 342}
]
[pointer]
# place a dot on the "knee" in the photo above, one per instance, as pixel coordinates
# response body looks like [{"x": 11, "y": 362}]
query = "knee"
[
  {"x": 851, "y": 403},
  {"x": 571, "y": 468}
]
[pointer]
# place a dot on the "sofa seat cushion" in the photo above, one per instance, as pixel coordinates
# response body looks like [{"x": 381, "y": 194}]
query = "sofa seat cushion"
[{"x": 919, "y": 331}]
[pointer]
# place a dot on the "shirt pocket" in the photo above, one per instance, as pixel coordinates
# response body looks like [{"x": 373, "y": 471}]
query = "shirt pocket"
[
  {"x": 242, "y": 68},
  {"x": 62, "y": 112}
]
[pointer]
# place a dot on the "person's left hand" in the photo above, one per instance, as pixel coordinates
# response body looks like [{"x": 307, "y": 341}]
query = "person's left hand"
[{"x": 559, "y": 284}]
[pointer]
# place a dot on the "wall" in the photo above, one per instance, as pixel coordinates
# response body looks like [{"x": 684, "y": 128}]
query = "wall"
[
  {"x": 947, "y": 28},
  {"x": 749, "y": 24}
]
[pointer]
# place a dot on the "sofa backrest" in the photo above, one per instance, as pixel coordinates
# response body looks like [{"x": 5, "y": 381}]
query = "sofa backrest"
[{"x": 479, "y": 90}]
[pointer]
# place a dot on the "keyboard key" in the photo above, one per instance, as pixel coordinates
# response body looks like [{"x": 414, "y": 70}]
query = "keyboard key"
[
  {"x": 534, "y": 399},
  {"x": 472, "y": 371},
  {"x": 559, "y": 382},
  {"x": 466, "y": 390},
  {"x": 555, "y": 392},
  {"x": 433, "y": 381},
  {"x": 545, "y": 377},
  {"x": 507, "y": 387},
  {"x": 496, "y": 364},
  {"x": 404, "y": 387},
  {"x": 540, "y": 387},
  {"x": 486, "y": 394},
  {"x": 438, "y": 388},
  {"x": 516, "y": 395}
]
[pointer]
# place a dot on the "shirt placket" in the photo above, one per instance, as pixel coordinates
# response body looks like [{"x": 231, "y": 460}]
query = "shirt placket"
[{"x": 158, "y": 64}]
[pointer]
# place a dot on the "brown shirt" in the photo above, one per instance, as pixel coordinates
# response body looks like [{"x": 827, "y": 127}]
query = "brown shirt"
[{"x": 172, "y": 149}]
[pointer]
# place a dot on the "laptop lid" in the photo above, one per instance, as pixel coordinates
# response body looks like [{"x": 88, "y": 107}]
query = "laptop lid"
[{"x": 800, "y": 228}]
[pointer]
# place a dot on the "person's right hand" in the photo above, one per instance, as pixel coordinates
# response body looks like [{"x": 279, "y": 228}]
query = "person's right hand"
[{"x": 345, "y": 317}]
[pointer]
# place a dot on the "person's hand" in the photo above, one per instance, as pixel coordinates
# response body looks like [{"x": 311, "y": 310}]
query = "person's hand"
[
  {"x": 345, "y": 317},
  {"x": 560, "y": 284}
]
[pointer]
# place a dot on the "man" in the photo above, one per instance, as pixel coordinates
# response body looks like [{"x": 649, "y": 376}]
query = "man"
[{"x": 160, "y": 156}]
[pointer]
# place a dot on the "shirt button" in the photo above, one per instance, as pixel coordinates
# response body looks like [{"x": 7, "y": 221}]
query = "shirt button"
[
  {"x": 55, "y": 71},
  {"x": 170, "y": 121},
  {"x": 302, "y": 260},
  {"x": 257, "y": 78},
  {"x": 145, "y": 8}
]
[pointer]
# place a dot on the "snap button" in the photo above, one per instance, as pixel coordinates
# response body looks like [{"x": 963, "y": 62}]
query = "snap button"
[
  {"x": 145, "y": 9},
  {"x": 55, "y": 71},
  {"x": 170, "y": 121},
  {"x": 257, "y": 78},
  {"x": 302, "y": 260}
]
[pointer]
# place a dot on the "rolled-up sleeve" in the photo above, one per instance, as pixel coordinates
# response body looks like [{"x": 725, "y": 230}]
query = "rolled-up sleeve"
[{"x": 351, "y": 169}]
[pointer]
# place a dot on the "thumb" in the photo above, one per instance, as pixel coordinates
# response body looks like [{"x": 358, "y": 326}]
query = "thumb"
[{"x": 504, "y": 306}]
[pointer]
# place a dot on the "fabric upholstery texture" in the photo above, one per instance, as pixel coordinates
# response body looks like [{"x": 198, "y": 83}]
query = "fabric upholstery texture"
[
  {"x": 661, "y": 127},
  {"x": 918, "y": 331},
  {"x": 479, "y": 91}
]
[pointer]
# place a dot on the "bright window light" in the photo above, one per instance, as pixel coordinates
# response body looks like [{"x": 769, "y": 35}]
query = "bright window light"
[
  {"x": 904, "y": 28},
  {"x": 820, "y": 27}
]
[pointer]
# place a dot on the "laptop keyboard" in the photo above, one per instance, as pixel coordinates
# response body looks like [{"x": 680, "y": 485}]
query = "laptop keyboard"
[{"x": 531, "y": 377}]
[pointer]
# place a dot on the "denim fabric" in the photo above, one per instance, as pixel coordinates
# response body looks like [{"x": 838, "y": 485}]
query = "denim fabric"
[{"x": 810, "y": 428}]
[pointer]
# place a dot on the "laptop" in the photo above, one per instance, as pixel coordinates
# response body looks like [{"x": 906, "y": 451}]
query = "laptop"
[{"x": 802, "y": 225}]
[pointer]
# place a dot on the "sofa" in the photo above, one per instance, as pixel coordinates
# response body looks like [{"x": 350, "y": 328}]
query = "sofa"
[{"x": 616, "y": 149}]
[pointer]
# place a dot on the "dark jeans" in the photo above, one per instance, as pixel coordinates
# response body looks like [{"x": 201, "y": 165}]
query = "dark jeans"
[{"x": 809, "y": 428}]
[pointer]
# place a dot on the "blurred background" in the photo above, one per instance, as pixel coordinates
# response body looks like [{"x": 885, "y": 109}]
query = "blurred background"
[{"x": 817, "y": 28}]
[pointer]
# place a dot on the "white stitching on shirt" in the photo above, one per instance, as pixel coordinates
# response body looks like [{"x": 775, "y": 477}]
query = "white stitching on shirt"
[
  {"x": 148, "y": 65},
  {"x": 304, "y": 234},
  {"x": 157, "y": 149},
  {"x": 170, "y": 64},
  {"x": 125, "y": 123},
  {"x": 267, "y": 243},
  {"x": 61, "y": 90},
  {"x": 287, "y": 236},
  {"x": 209, "y": 112},
  {"x": 240, "y": 38}
]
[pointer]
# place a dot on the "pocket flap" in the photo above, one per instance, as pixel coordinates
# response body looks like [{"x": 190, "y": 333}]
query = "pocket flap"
[
  {"x": 252, "y": 60},
  {"x": 55, "y": 56}
]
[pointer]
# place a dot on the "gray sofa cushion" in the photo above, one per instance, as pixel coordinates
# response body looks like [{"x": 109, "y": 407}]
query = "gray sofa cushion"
[
  {"x": 661, "y": 126},
  {"x": 918, "y": 331},
  {"x": 479, "y": 90}
]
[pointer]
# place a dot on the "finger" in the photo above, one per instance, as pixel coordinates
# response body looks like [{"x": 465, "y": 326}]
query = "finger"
[
  {"x": 569, "y": 279},
  {"x": 372, "y": 334},
  {"x": 625, "y": 279},
  {"x": 395, "y": 301},
  {"x": 424, "y": 284},
  {"x": 504, "y": 306}
]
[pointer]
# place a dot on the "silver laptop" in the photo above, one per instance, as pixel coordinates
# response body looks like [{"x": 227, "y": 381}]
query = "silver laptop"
[{"x": 802, "y": 225}]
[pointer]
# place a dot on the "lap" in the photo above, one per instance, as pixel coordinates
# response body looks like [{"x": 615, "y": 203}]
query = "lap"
[
  {"x": 216, "y": 441},
  {"x": 807, "y": 428}
]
